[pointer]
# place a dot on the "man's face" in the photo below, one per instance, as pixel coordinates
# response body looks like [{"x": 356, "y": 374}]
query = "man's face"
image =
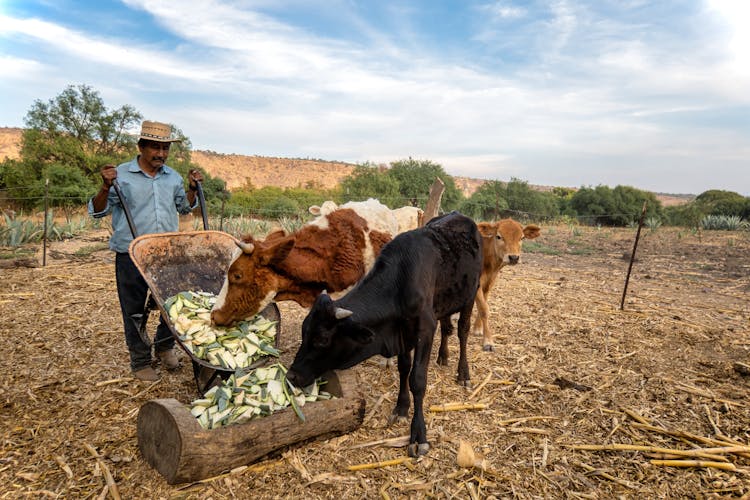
[{"x": 155, "y": 153}]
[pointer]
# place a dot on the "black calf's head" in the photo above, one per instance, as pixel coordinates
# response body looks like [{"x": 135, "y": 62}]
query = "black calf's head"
[{"x": 331, "y": 339}]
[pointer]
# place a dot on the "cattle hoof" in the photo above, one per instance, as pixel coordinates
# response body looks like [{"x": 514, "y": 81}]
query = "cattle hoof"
[
  {"x": 488, "y": 347},
  {"x": 396, "y": 419},
  {"x": 417, "y": 450},
  {"x": 442, "y": 361},
  {"x": 465, "y": 383},
  {"x": 384, "y": 362}
]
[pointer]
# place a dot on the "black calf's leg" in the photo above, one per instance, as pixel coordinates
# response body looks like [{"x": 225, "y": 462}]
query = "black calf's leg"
[
  {"x": 464, "y": 322},
  {"x": 418, "y": 444},
  {"x": 446, "y": 329},
  {"x": 401, "y": 410}
]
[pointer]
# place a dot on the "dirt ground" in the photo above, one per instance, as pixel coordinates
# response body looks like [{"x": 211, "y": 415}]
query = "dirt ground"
[{"x": 570, "y": 368}]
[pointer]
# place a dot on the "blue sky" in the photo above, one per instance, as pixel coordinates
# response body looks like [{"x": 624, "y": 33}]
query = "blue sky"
[{"x": 654, "y": 95}]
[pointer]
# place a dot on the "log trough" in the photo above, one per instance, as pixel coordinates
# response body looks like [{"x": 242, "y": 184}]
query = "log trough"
[{"x": 171, "y": 440}]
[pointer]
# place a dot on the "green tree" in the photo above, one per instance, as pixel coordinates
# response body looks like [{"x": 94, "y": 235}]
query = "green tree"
[
  {"x": 563, "y": 195},
  {"x": 629, "y": 205},
  {"x": 527, "y": 202},
  {"x": 415, "y": 177},
  {"x": 76, "y": 129},
  {"x": 76, "y": 132},
  {"x": 614, "y": 207},
  {"x": 686, "y": 215},
  {"x": 487, "y": 202},
  {"x": 68, "y": 188},
  {"x": 719, "y": 202},
  {"x": 369, "y": 181},
  {"x": 594, "y": 204}
]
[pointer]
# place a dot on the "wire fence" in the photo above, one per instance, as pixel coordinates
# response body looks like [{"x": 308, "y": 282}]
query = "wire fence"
[{"x": 11, "y": 198}]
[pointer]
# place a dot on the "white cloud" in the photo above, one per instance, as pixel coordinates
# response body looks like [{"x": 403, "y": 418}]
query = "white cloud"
[
  {"x": 93, "y": 49},
  {"x": 584, "y": 89}
]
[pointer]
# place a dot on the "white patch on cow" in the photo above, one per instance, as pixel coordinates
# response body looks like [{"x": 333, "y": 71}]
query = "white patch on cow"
[
  {"x": 267, "y": 299},
  {"x": 378, "y": 216},
  {"x": 407, "y": 218},
  {"x": 222, "y": 297},
  {"x": 368, "y": 254}
]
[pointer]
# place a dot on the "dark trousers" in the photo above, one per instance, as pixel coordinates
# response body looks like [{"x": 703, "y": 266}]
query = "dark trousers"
[{"x": 132, "y": 291}]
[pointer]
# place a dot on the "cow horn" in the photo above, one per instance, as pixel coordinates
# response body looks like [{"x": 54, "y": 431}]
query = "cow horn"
[
  {"x": 342, "y": 313},
  {"x": 246, "y": 247}
]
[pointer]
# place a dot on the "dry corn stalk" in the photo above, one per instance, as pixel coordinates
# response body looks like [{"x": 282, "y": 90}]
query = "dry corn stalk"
[
  {"x": 457, "y": 407},
  {"x": 111, "y": 485},
  {"x": 466, "y": 458},
  {"x": 695, "y": 463},
  {"x": 378, "y": 465},
  {"x": 649, "y": 449}
]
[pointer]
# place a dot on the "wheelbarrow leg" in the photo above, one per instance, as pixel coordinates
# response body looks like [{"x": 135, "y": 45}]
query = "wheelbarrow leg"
[
  {"x": 204, "y": 377},
  {"x": 141, "y": 319}
]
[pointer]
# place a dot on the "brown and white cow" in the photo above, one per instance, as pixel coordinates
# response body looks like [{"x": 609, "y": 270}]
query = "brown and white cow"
[
  {"x": 330, "y": 253},
  {"x": 501, "y": 246},
  {"x": 405, "y": 218}
]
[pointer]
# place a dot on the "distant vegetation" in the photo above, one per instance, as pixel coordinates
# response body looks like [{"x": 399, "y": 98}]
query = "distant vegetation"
[{"x": 69, "y": 138}]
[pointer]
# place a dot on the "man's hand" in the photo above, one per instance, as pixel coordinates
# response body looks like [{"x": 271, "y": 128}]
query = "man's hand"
[
  {"x": 194, "y": 177},
  {"x": 109, "y": 174}
]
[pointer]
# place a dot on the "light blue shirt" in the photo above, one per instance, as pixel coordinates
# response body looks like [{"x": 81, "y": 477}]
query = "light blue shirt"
[{"x": 154, "y": 202}]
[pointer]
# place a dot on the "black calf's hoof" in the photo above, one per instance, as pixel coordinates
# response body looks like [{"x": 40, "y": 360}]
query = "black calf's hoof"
[
  {"x": 396, "y": 419},
  {"x": 417, "y": 450}
]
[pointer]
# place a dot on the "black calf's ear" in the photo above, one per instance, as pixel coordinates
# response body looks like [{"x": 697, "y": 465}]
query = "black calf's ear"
[{"x": 362, "y": 335}]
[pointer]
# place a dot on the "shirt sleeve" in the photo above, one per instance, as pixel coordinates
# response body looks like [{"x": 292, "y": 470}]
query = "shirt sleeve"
[{"x": 107, "y": 207}]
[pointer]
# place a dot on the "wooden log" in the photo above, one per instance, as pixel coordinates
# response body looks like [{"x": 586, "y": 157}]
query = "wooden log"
[{"x": 171, "y": 440}]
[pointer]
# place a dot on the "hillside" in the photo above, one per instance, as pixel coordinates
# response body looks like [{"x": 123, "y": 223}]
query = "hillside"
[{"x": 260, "y": 171}]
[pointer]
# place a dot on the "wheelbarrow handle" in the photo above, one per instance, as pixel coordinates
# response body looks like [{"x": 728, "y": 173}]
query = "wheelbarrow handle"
[
  {"x": 125, "y": 207},
  {"x": 202, "y": 203}
]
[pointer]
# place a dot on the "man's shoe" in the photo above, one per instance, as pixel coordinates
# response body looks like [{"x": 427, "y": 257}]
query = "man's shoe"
[
  {"x": 146, "y": 374},
  {"x": 169, "y": 359}
]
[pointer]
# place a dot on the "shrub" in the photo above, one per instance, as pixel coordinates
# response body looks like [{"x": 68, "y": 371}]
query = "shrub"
[
  {"x": 722, "y": 222},
  {"x": 652, "y": 223}
]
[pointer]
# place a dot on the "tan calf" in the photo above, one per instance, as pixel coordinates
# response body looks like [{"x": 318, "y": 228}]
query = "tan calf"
[{"x": 501, "y": 246}]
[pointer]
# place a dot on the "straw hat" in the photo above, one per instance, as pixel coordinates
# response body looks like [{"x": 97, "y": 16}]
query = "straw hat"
[{"x": 158, "y": 132}]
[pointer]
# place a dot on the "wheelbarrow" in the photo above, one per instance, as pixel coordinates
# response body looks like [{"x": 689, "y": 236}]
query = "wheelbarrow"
[{"x": 192, "y": 260}]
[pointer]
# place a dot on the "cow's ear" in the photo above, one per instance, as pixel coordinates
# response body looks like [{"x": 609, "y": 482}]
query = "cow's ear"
[
  {"x": 361, "y": 335},
  {"x": 487, "y": 229},
  {"x": 277, "y": 252},
  {"x": 532, "y": 231}
]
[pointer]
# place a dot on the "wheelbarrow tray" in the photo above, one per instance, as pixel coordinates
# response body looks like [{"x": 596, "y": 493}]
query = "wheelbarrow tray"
[{"x": 190, "y": 260}]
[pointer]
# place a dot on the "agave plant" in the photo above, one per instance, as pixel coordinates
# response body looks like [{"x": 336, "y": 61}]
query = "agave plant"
[
  {"x": 17, "y": 232},
  {"x": 722, "y": 222},
  {"x": 652, "y": 223}
]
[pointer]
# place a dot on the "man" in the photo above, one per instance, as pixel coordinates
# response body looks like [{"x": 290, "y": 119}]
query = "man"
[{"x": 155, "y": 195}]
